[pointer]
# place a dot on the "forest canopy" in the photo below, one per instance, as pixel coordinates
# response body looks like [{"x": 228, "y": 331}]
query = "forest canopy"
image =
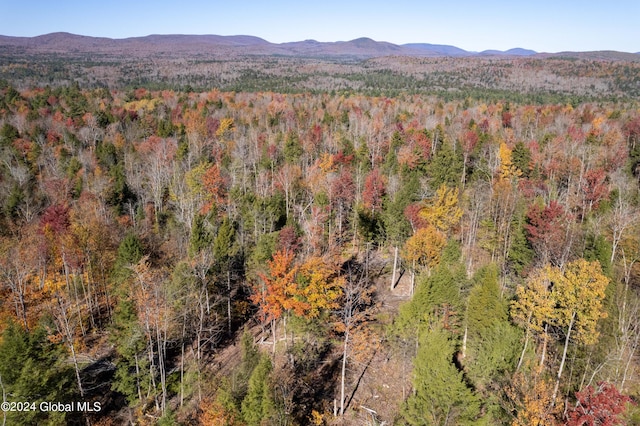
[{"x": 257, "y": 257}]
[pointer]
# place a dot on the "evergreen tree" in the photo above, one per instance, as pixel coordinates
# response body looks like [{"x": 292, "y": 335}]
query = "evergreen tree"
[
  {"x": 224, "y": 245},
  {"x": 33, "y": 369},
  {"x": 441, "y": 395},
  {"x": 492, "y": 346},
  {"x": 396, "y": 224},
  {"x": 438, "y": 294},
  {"x": 258, "y": 405},
  {"x": 200, "y": 235},
  {"x": 292, "y": 148},
  {"x": 446, "y": 167},
  {"x": 485, "y": 306},
  {"x": 132, "y": 367},
  {"x": 129, "y": 253},
  {"x": 520, "y": 253},
  {"x": 521, "y": 158}
]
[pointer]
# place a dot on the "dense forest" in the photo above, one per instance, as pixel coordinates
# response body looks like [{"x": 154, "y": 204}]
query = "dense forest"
[{"x": 259, "y": 258}]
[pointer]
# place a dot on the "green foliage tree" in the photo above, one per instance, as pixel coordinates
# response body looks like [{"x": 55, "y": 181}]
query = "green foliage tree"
[
  {"x": 441, "y": 395},
  {"x": 292, "y": 148},
  {"x": 132, "y": 367},
  {"x": 8, "y": 134},
  {"x": 258, "y": 405},
  {"x": 520, "y": 255},
  {"x": 492, "y": 346},
  {"x": 370, "y": 225},
  {"x": 119, "y": 193},
  {"x": 396, "y": 224},
  {"x": 435, "y": 295},
  {"x": 485, "y": 306},
  {"x": 129, "y": 253},
  {"x": 521, "y": 158},
  {"x": 33, "y": 369},
  {"x": 250, "y": 357},
  {"x": 224, "y": 244},
  {"x": 201, "y": 237},
  {"x": 446, "y": 167}
]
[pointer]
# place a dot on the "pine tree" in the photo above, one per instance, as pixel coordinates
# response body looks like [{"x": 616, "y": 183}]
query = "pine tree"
[
  {"x": 200, "y": 235},
  {"x": 446, "y": 167},
  {"x": 485, "y": 307},
  {"x": 492, "y": 347},
  {"x": 33, "y": 369},
  {"x": 129, "y": 253},
  {"x": 132, "y": 367},
  {"x": 441, "y": 395},
  {"x": 258, "y": 405}
]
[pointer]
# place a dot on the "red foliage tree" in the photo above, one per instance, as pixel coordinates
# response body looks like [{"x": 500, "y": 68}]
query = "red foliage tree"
[
  {"x": 594, "y": 188},
  {"x": 288, "y": 239},
  {"x": 412, "y": 213},
  {"x": 545, "y": 230},
  {"x": 631, "y": 131},
  {"x": 55, "y": 219},
  {"x": 374, "y": 190},
  {"x": 506, "y": 119},
  {"x": 601, "y": 406},
  {"x": 469, "y": 141},
  {"x": 215, "y": 185}
]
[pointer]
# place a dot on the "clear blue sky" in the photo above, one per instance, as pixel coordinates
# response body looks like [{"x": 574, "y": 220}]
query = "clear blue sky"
[{"x": 542, "y": 25}]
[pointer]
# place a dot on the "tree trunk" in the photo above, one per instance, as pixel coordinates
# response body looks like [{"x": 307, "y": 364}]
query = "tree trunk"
[
  {"x": 524, "y": 350},
  {"x": 564, "y": 358},
  {"x": 395, "y": 266},
  {"x": 4, "y": 399},
  {"x": 273, "y": 331},
  {"x": 135, "y": 356},
  {"x": 229, "y": 299},
  {"x": 526, "y": 343},
  {"x": 464, "y": 341},
  {"x": 75, "y": 365},
  {"x": 628, "y": 364},
  {"x": 545, "y": 338},
  {"x": 163, "y": 374},
  {"x": 64, "y": 323},
  {"x": 344, "y": 371}
]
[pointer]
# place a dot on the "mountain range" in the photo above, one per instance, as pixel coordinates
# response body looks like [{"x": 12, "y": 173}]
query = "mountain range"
[{"x": 214, "y": 45}]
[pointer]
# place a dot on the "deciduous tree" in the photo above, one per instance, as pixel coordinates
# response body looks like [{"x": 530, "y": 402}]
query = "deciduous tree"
[
  {"x": 600, "y": 406},
  {"x": 443, "y": 211}
]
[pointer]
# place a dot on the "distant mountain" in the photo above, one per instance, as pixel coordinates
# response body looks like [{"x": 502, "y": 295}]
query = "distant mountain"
[
  {"x": 511, "y": 52},
  {"x": 238, "y": 40},
  {"x": 216, "y": 45},
  {"x": 438, "y": 49},
  {"x": 360, "y": 47}
]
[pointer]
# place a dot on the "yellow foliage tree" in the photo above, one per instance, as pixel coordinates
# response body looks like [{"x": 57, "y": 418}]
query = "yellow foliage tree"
[
  {"x": 226, "y": 127},
  {"x": 531, "y": 397},
  {"x": 508, "y": 170},
  {"x": 578, "y": 291},
  {"x": 327, "y": 163},
  {"x": 424, "y": 247},
  {"x": 569, "y": 298},
  {"x": 533, "y": 306},
  {"x": 443, "y": 213},
  {"x": 219, "y": 411},
  {"x": 320, "y": 287}
]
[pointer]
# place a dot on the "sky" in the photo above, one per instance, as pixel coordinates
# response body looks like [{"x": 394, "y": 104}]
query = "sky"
[{"x": 542, "y": 25}]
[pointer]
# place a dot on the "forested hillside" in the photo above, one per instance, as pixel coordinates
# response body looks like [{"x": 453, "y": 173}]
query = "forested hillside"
[{"x": 248, "y": 258}]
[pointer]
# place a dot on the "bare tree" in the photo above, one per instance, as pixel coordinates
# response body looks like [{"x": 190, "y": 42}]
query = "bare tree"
[
  {"x": 16, "y": 267},
  {"x": 358, "y": 297}
]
